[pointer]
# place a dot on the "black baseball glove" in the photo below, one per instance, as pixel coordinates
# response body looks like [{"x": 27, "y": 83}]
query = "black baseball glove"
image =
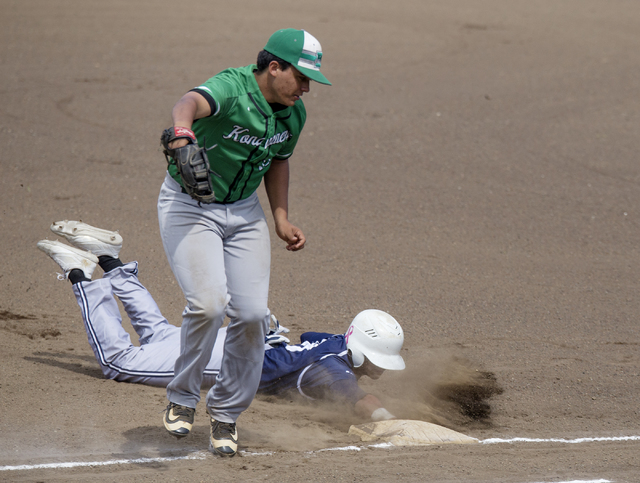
[{"x": 192, "y": 162}]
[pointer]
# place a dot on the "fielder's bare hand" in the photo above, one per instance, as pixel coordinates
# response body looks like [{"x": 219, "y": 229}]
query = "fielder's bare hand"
[{"x": 291, "y": 234}]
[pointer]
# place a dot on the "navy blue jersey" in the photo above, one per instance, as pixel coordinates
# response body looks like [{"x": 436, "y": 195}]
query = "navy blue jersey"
[{"x": 318, "y": 367}]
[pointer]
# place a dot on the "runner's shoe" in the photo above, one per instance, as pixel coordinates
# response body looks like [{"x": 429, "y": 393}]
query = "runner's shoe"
[
  {"x": 178, "y": 419},
  {"x": 224, "y": 438},
  {"x": 86, "y": 237},
  {"x": 69, "y": 258}
]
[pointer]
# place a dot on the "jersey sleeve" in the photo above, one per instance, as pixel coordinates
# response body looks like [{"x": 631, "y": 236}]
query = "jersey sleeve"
[
  {"x": 331, "y": 378},
  {"x": 287, "y": 149},
  {"x": 219, "y": 92},
  {"x": 208, "y": 97}
]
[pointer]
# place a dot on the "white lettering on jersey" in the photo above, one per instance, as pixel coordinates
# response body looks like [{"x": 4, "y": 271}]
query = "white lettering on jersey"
[
  {"x": 277, "y": 138},
  {"x": 245, "y": 138},
  {"x": 305, "y": 346},
  {"x": 238, "y": 135}
]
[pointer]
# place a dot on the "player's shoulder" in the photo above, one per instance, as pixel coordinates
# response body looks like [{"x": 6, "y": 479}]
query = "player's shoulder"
[
  {"x": 238, "y": 76},
  {"x": 230, "y": 82},
  {"x": 293, "y": 117},
  {"x": 299, "y": 107},
  {"x": 315, "y": 336}
]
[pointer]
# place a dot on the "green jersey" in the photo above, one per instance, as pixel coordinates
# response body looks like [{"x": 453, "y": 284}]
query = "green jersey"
[{"x": 243, "y": 133}]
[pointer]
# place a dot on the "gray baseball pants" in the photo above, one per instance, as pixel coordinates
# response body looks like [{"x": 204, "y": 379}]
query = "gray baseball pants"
[{"x": 220, "y": 255}]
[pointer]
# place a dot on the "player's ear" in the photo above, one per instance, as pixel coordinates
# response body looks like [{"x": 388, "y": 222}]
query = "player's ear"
[{"x": 273, "y": 67}]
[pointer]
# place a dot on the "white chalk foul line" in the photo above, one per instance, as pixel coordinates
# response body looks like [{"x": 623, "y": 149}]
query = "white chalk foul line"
[
  {"x": 202, "y": 455},
  {"x": 578, "y": 481},
  {"x": 559, "y": 440},
  {"x": 356, "y": 448},
  {"x": 196, "y": 456}
]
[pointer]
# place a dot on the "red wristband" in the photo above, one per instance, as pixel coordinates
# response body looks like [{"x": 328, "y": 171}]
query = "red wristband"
[{"x": 184, "y": 131}]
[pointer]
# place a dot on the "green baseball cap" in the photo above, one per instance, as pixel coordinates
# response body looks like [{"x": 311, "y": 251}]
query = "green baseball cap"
[{"x": 300, "y": 49}]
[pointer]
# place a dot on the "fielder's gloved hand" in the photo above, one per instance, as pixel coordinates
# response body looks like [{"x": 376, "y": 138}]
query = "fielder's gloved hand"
[{"x": 192, "y": 162}]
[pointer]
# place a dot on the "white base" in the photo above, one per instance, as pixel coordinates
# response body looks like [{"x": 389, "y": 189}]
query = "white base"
[{"x": 405, "y": 432}]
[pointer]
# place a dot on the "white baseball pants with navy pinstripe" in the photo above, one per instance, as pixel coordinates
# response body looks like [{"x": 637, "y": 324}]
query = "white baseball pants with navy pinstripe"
[{"x": 153, "y": 361}]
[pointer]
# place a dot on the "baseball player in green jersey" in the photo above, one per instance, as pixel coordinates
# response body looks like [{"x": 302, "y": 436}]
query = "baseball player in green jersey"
[{"x": 248, "y": 121}]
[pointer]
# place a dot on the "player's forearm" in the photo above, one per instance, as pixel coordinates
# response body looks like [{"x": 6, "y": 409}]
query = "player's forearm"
[
  {"x": 276, "y": 183},
  {"x": 184, "y": 112}
]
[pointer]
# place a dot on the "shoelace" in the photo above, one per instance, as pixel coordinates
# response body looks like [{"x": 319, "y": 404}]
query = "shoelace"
[
  {"x": 182, "y": 410},
  {"x": 225, "y": 429}
]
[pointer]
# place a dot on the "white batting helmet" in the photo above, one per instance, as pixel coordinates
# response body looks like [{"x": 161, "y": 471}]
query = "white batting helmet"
[{"x": 376, "y": 335}]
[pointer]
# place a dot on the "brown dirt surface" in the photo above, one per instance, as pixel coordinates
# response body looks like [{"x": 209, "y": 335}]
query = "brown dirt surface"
[{"x": 473, "y": 171}]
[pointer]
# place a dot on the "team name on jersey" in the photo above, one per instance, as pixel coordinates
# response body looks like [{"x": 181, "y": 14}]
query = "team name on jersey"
[
  {"x": 239, "y": 135},
  {"x": 305, "y": 346}
]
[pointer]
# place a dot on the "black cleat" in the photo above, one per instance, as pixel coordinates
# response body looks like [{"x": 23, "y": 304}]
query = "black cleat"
[
  {"x": 178, "y": 419},
  {"x": 224, "y": 438}
]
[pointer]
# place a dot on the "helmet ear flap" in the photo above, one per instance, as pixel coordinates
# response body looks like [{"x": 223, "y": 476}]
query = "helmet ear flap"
[{"x": 357, "y": 357}]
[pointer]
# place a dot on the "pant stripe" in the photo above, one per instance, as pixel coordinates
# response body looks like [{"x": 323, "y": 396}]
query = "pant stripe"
[{"x": 100, "y": 352}]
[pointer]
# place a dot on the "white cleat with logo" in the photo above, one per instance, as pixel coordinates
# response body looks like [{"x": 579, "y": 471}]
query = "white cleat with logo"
[
  {"x": 69, "y": 258},
  {"x": 86, "y": 237}
]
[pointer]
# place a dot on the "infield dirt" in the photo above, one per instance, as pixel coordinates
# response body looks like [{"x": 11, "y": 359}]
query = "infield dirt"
[{"x": 473, "y": 171}]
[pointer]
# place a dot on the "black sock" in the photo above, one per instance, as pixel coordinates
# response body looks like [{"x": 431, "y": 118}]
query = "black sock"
[
  {"x": 108, "y": 263},
  {"x": 76, "y": 275}
]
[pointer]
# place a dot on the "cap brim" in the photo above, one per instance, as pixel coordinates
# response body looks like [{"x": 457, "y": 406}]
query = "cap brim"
[{"x": 314, "y": 75}]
